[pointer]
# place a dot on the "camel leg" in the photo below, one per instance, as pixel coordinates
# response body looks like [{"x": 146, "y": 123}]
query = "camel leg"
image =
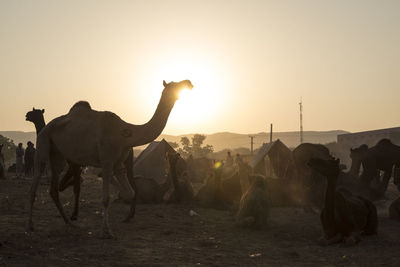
[
  {"x": 107, "y": 176},
  {"x": 34, "y": 186},
  {"x": 385, "y": 181},
  {"x": 66, "y": 180},
  {"x": 326, "y": 242},
  {"x": 77, "y": 190},
  {"x": 56, "y": 167},
  {"x": 126, "y": 191},
  {"x": 353, "y": 239}
]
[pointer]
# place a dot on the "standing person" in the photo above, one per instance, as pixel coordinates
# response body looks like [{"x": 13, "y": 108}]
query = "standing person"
[
  {"x": 238, "y": 159},
  {"x": 19, "y": 160},
  {"x": 29, "y": 158},
  {"x": 229, "y": 159}
]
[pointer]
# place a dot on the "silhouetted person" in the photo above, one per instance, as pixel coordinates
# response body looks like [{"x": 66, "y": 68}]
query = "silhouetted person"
[
  {"x": 19, "y": 152},
  {"x": 229, "y": 159},
  {"x": 238, "y": 159},
  {"x": 29, "y": 158}
]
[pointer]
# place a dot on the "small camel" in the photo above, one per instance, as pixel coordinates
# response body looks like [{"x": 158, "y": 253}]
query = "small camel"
[
  {"x": 344, "y": 216},
  {"x": 254, "y": 205},
  {"x": 394, "y": 210},
  {"x": 87, "y": 137}
]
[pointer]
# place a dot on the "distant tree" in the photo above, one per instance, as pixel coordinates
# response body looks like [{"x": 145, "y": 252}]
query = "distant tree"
[
  {"x": 8, "y": 149},
  {"x": 195, "y": 147}
]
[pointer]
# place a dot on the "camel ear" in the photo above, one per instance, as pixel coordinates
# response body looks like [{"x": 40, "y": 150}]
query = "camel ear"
[
  {"x": 164, "y": 83},
  {"x": 42, "y": 110}
]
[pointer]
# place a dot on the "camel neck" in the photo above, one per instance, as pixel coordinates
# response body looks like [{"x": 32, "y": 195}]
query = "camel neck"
[
  {"x": 148, "y": 132},
  {"x": 39, "y": 125},
  {"x": 330, "y": 198}
]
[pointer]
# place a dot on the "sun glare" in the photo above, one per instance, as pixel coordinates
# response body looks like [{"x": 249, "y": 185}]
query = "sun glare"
[{"x": 197, "y": 106}]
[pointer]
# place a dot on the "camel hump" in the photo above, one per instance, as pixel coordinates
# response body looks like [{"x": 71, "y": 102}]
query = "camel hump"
[
  {"x": 384, "y": 141},
  {"x": 81, "y": 104}
]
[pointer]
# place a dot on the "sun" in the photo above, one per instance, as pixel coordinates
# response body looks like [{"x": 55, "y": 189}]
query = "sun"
[{"x": 195, "y": 107}]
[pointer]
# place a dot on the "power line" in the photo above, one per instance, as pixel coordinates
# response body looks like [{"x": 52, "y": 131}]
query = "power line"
[
  {"x": 251, "y": 143},
  {"x": 301, "y": 121}
]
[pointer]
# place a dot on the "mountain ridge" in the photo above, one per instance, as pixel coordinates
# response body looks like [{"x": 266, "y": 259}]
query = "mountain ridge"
[{"x": 220, "y": 140}]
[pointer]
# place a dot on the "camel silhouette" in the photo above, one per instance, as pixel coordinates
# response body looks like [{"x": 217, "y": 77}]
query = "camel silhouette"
[
  {"x": 384, "y": 156},
  {"x": 87, "y": 137},
  {"x": 344, "y": 216},
  {"x": 74, "y": 171}
]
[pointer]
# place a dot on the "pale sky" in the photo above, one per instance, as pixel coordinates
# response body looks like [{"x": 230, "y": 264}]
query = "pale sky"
[{"x": 249, "y": 62}]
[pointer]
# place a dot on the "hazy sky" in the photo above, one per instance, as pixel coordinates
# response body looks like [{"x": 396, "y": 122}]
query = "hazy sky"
[{"x": 250, "y": 62}]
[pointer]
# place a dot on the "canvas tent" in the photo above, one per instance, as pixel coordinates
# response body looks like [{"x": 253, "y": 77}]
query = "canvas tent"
[
  {"x": 152, "y": 163},
  {"x": 280, "y": 158}
]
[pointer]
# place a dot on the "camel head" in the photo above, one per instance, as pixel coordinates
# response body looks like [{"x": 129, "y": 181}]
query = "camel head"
[
  {"x": 172, "y": 89},
  {"x": 325, "y": 167},
  {"x": 34, "y": 115}
]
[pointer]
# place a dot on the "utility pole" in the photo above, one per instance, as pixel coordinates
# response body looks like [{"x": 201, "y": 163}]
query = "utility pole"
[
  {"x": 251, "y": 143},
  {"x": 270, "y": 134},
  {"x": 301, "y": 121}
]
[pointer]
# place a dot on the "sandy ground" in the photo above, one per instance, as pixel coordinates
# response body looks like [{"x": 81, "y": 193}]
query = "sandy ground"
[{"x": 166, "y": 235}]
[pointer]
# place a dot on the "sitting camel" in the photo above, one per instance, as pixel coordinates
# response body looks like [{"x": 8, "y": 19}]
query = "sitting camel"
[
  {"x": 212, "y": 195},
  {"x": 394, "y": 210},
  {"x": 254, "y": 205},
  {"x": 2, "y": 166},
  {"x": 344, "y": 216},
  {"x": 88, "y": 137},
  {"x": 183, "y": 189}
]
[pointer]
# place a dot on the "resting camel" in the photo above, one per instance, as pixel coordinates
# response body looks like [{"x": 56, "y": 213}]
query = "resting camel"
[
  {"x": 254, "y": 205},
  {"x": 73, "y": 173},
  {"x": 212, "y": 195},
  {"x": 394, "y": 210},
  {"x": 2, "y": 166},
  {"x": 344, "y": 216},
  {"x": 183, "y": 189},
  {"x": 87, "y": 137}
]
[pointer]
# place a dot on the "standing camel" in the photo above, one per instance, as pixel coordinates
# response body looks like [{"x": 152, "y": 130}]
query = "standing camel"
[
  {"x": 87, "y": 137},
  {"x": 384, "y": 156},
  {"x": 36, "y": 117},
  {"x": 73, "y": 173}
]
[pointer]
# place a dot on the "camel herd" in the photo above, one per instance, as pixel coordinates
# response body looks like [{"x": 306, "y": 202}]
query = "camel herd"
[{"x": 312, "y": 178}]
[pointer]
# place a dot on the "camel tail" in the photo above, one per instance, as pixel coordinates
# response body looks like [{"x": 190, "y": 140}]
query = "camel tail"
[{"x": 372, "y": 220}]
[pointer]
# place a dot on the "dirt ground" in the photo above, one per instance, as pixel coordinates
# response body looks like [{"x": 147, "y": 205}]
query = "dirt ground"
[{"x": 166, "y": 235}]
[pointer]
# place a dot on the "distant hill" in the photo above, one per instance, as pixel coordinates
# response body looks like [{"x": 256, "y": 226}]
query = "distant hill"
[{"x": 221, "y": 140}]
